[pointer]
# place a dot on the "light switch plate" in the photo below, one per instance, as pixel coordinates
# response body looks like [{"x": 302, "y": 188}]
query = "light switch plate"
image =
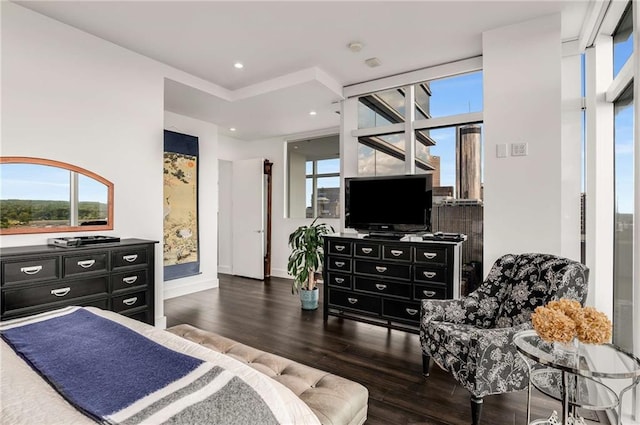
[
  {"x": 519, "y": 149},
  {"x": 501, "y": 150}
]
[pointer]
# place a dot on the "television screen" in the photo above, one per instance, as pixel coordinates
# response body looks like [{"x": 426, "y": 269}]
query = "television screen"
[{"x": 393, "y": 204}]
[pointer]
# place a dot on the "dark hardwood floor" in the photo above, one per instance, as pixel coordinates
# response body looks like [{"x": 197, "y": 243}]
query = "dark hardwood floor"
[{"x": 267, "y": 316}]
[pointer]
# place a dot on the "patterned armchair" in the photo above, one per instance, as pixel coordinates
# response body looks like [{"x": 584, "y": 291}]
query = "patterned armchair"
[{"x": 471, "y": 337}]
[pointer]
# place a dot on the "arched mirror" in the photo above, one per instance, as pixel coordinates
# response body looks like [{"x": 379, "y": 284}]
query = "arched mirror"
[{"x": 45, "y": 196}]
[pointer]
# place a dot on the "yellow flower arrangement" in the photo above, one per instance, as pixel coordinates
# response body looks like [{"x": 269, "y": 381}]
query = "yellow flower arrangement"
[{"x": 562, "y": 320}]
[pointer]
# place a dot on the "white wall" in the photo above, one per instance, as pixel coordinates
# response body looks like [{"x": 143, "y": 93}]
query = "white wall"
[
  {"x": 75, "y": 98},
  {"x": 225, "y": 249},
  {"x": 522, "y": 103},
  {"x": 207, "y": 135},
  {"x": 275, "y": 151}
]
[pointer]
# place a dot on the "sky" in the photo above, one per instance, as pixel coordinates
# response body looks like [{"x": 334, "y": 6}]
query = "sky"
[{"x": 43, "y": 182}]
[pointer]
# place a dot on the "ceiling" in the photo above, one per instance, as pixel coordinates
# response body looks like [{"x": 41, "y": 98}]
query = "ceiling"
[{"x": 295, "y": 53}]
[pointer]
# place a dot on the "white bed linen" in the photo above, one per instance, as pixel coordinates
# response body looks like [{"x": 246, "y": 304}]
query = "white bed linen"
[{"x": 25, "y": 398}]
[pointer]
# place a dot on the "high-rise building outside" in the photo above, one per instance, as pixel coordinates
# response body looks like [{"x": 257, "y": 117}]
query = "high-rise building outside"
[{"x": 468, "y": 184}]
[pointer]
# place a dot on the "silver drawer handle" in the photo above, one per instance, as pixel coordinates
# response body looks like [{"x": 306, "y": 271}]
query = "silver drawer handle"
[
  {"x": 381, "y": 269},
  {"x": 429, "y": 293},
  {"x": 396, "y": 252},
  {"x": 340, "y": 248},
  {"x": 411, "y": 311},
  {"x": 430, "y": 255},
  {"x": 339, "y": 263},
  {"x": 352, "y": 300},
  {"x": 429, "y": 274},
  {"x": 31, "y": 269},
  {"x": 339, "y": 279},
  {"x": 60, "y": 292},
  {"x": 130, "y": 279},
  {"x": 130, "y": 258},
  {"x": 367, "y": 250},
  {"x": 381, "y": 287},
  {"x": 85, "y": 264},
  {"x": 130, "y": 301}
]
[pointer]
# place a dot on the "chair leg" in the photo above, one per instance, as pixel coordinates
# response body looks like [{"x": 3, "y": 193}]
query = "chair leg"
[
  {"x": 476, "y": 409},
  {"x": 426, "y": 365}
]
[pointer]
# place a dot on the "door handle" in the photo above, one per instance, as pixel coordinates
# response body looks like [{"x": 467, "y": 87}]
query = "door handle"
[
  {"x": 381, "y": 287},
  {"x": 429, "y": 275},
  {"x": 130, "y": 301},
  {"x": 396, "y": 252},
  {"x": 429, "y": 294},
  {"x": 381, "y": 269},
  {"x": 339, "y": 279},
  {"x": 430, "y": 255},
  {"x": 130, "y": 279},
  {"x": 60, "y": 292},
  {"x": 367, "y": 250},
  {"x": 130, "y": 258},
  {"x": 85, "y": 264},
  {"x": 31, "y": 269},
  {"x": 339, "y": 263},
  {"x": 340, "y": 248},
  {"x": 411, "y": 311},
  {"x": 352, "y": 300}
]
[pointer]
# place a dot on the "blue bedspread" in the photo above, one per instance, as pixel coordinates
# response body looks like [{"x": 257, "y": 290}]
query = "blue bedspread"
[{"x": 116, "y": 375}]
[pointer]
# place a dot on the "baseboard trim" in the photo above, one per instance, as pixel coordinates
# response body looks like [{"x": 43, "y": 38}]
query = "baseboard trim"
[
  {"x": 176, "y": 289},
  {"x": 280, "y": 273},
  {"x": 224, "y": 269}
]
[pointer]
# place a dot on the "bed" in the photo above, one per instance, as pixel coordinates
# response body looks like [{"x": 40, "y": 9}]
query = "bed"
[{"x": 26, "y": 398}]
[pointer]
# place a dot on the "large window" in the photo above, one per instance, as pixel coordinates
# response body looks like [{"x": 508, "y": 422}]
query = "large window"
[
  {"x": 314, "y": 177},
  {"x": 442, "y": 136},
  {"x": 623, "y": 221}
]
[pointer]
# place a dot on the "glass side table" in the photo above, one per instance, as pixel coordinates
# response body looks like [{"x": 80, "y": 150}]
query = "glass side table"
[{"x": 570, "y": 376}]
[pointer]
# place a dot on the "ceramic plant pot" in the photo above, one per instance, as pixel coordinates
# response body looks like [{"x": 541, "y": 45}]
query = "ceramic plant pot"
[{"x": 309, "y": 299}]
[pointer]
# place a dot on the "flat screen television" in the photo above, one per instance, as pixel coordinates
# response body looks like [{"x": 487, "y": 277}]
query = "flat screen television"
[{"x": 389, "y": 205}]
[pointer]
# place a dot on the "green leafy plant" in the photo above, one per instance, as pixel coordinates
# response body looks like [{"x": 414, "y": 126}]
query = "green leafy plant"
[{"x": 307, "y": 254}]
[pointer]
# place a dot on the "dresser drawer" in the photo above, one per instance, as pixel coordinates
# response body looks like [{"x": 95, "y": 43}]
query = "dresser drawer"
[
  {"x": 340, "y": 247},
  {"x": 128, "y": 280},
  {"x": 383, "y": 269},
  {"x": 367, "y": 250},
  {"x": 129, "y": 301},
  {"x": 402, "y": 310},
  {"x": 31, "y": 270},
  {"x": 349, "y": 300},
  {"x": 130, "y": 257},
  {"x": 142, "y": 316},
  {"x": 341, "y": 280},
  {"x": 339, "y": 264},
  {"x": 383, "y": 287},
  {"x": 431, "y": 254},
  {"x": 435, "y": 292},
  {"x": 15, "y": 299},
  {"x": 430, "y": 274},
  {"x": 396, "y": 252},
  {"x": 87, "y": 263}
]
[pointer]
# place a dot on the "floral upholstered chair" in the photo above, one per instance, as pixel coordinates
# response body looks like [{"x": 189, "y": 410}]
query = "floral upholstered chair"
[{"x": 471, "y": 337}]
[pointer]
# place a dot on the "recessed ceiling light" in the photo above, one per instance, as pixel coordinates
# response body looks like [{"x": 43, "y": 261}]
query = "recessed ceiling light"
[
  {"x": 232, "y": 129},
  {"x": 238, "y": 65},
  {"x": 372, "y": 62},
  {"x": 355, "y": 46},
  {"x": 313, "y": 113}
]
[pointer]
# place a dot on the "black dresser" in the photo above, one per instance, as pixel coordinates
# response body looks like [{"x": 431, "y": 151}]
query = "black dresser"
[
  {"x": 114, "y": 276},
  {"x": 383, "y": 281}
]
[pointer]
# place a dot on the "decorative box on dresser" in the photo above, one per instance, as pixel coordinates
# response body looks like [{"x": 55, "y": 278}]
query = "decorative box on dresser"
[
  {"x": 382, "y": 282},
  {"x": 115, "y": 276}
]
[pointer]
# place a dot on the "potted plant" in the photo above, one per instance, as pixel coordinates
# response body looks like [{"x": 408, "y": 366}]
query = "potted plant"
[{"x": 306, "y": 257}]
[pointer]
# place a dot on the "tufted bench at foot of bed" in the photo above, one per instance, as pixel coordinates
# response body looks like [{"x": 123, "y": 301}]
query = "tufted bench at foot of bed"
[{"x": 334, "y": 400}]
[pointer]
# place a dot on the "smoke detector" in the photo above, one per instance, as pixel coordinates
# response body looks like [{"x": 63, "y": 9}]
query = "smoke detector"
[
  {"x": 372, "y": 62},
  {"x": 355, "y": 46}
]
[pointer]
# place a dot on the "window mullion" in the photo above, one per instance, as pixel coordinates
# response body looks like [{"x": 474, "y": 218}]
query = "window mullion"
[
  {"x": 409, "y": 134},
  {"x": 73, "y": 198}
]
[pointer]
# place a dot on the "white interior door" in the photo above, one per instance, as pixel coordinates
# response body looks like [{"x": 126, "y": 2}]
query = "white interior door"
[{"x": 248, "y": 218}]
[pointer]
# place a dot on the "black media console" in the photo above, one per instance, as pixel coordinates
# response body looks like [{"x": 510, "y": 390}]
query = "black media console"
[{"x": 382, "y": 282}]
